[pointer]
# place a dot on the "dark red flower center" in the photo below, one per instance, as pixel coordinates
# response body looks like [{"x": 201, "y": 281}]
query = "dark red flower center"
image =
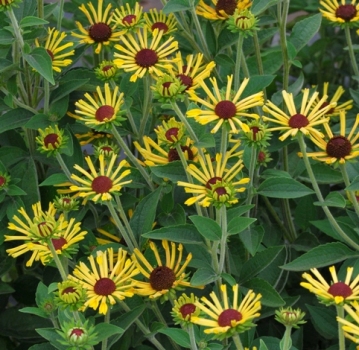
[
  {"x": 162, "y": 277},
  {"x": 221, "y": 191},
  {"x": 338, "y": 147},
  {"x": 106, "y": 68},
  {"x": 51, "y": 139},
  {"x": 50, "y": 54},
  {"x": 146, "y": 58},
  {"x": 324, "y": 104},
  {"x": 106, "y": 149},
  {"x": 128, "y": 19},
  {"x": 340, "y": 289},
  {"x": 255, "y": 130},
  {"x": 187, "y": 309},
  {"x": 346, "y": 12},
  {"x": 171, "y": 132},
  {"x": 225, "y": 109},
  {"x": 100, "y": 32},
  {"x": 104, "y": 286},
  {"x": 66, "y": 200},
  {"x": 58, "y": 243},
  {"x": 185, "y": 80},
  {"x": 228, "y": 6},
  {"x": 298, "y": 121},
  {"x": 104, "y": 113},
  {"x": 68, "y": 290},
  {"x": 77, "y": 332},
  {"x": 238, "y": 21},
  {"x": 173, "y": 154},
  {"x": 101, "y": 184},
  {"x": 227, "y": 316},
  {"x": 2, "y": 180},
  {"x": 212, "y": 181},
  {"x": 160, "y": 26},
  {"x": 45, "y": 228},
  {"x": 166, "y": 87},
  {"x": 261, "y": 156}
]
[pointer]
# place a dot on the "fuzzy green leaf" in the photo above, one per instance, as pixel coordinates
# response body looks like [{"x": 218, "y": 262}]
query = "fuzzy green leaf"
[
  {"x": 207, "y": 227},
  {"x": 40, "y": 60},
  {"x": 31, "y": 21},
  {"x": 179, "y": 336},
  {"x": 15, "y": 118}
]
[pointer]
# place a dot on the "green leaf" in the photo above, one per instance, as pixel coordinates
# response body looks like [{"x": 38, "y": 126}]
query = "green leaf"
[
  {"x": 175, "y": 217},
  {"x": 5, "y": 288},
  {"x": 52, "y": 336},
  {"x": 252, "y": 238},
  {"x": 257, "y": 83},
  {"x": 203, "y": 276},
  {"x": 31, "y": 21},
  {"x": 239, "y": 224},
  {"x": 42, "y": 346},
  {"x": 270, "y": 296},
  {"x": 354, "y": 186},
  {"x": 125, "y": 320},
  {"x": 34, "y": 311},
  {"x": 258, "y": 263},
  {"x": 6, "y": 38},
  {"x": 206, "y": 141},
  {"x": 173, "y": 171},
  {"x": 324, "y": 255},
  {"x": 66, "y": 88},
  {"x": 178, "y": 335},
  {"x": 268, "y": 173},
  {"x": 40, "y": 60},
  {"x": 38, "y": 121},
  {"x": 304, "y": 30},
  {"x": 260, "y": 6},
  {"x": 207, "y": 227},
  {"x": 6, "y": 65},
  {"x": 333, "y": 199},
  {"x": 283, "y": 188},
  {"x": 324, "y": 321},
  {"x": 106, "y": 330},
  {"x": 15, "y": 118},
  {"x": 324, "y": 174},
  {"x": 176, "y": 6},
  {"x": 238, "y": 211},
  {"x": 54, "y": 179},
  {"x": 14, "y": 190},
  {"x": 178, "y": 234}
]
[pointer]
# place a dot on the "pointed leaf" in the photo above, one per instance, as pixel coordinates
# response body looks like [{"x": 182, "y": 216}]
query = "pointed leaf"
[
  {"x": 207, "y": 227},
  {"x": 239, "y": 224},
  {"x": 40, "y": 60},
  {"x": 178, "y": 335},
  {"x": 15, "y": 118}
]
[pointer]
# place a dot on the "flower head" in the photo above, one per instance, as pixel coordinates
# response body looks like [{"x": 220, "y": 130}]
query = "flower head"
[
  {"x": 225, "y": 318},
  {"x": 222, "y": 8},
  {"x": 225, "y": 107},
  {"x": 184, "y": 309},
  {"x": 70, "y": 295},
  {"x": 91, "y": 136},
  {"x": 141, "y": 54},
  {"x": 99, "y": 185},
  {"x": 4, "y": 180},
  {"x": 340, "y": 14},
  {"x": 350, "y": 324},
  {"x": 242, "y": 22},
  {"x": 57, "y": 49},
  {"x": 170, "y": 132},
  {"x": 100, "y": 111},
  {"x": 108, "y": 148},
  {"x": 162, "y": 280},
  {"x": 158, "y": 20},
  {"x": 127, "y": 18},
  {"x": 168, "y": 88},
  {"x": 338, "y": 292},
  {"x": 107, "y": 70},
  {"x": 290, "y": 317},
  {"x": 257, "y": 135},
  {"x": 107, "y": 280},
  {"x": 51, "y": 140},
  {"x": 6, "y": 4},
  {"x": 100, "y": 32},
  {"x": 305, "y": 120},
  {"x": 66, "y": 203}
]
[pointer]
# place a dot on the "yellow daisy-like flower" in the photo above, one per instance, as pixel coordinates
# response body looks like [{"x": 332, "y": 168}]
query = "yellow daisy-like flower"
[
  {"x": 222, "y": 9},
  {"x": 100, "y": 31},
  {"x": 170, "y": 132},
  {"x": 91, "y": 136},
  {"x": 100, "y": 111},
  {"x": 156, "y": 155},
  {"x": 128, "y": 18},
  {"x": 70, "y": 295},
  {"x": 226, "y": 106},
  {"x": 335, "y": 98},
  {"x": 217, "y": 184},
  {"x": 51, "y": 140},
  {"x": 57, "y": 49},
  {"x": 303, "y": 121},
  {"x": 350, "y": 325},
  {"x": 141, "y": 54},
  {"x": 192, "y": 70},
  {"x": 341, "y": 14},
  {"x": 109, "y": 279},
  {"x": 99, "y": 185},
  {"x": 23, "y": 249},
  {"x": 184, "y": 309},
  {"x": 228, "y": 318},
  {"x": 163, "y": 279},
  {"x": 337, "y": 148},
  {"x": 338, "y": 292},
  {"x": 107, "y": 70},
  {"x": 158, "y": 20}
]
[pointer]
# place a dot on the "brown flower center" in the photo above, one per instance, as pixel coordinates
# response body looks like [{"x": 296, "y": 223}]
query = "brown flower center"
[
  {"x": 221, "y": 191},
  {"x": 45, "y": 229},
  {"x": 212, "y": 181},
  {"x": 162, "y": 277},
  {"x": 261, "y": 156},
  {"x": 172, "y": 134},
  {"x": 160, "y": 26},
  {"x": 173, "y": 154},
  {"x": 100, "y": 32},
  {"x": 50, "y": 54},
  {"x": 128, "y": 19},
  {"x": 255, "y": 130},
  {"x": 227, "y": 316},
  {"x": 2, "y": 180},
  {"x": 104, "y": 113},
  {"x": 346, "y": 12},
  {"x": 340, "y": 289},
  {"x": 77, "y": 332},
  {"x": 324, "y": 104},
  {"x": 146, "y": 58},
  {"x": 106, "y": 149},
  {"x": 187, "y": 309},
  {"x": 225, "y": 109},
  {"x": 101, "y": 184},
  {"x": 166, "y": 87},
  {"x": 51, "y": 139},
  {"x": 104, "y": 286},
  {"x": 228, "y": 6},
  {"x": 298, "y": 121},
  {"x": 68, "y": 290},
  {"x": 106, "y": 68},
  {"x": 58, "y": 243},
  {"x": 338, "y": 147},
  {"x": 185, "y": 80}
]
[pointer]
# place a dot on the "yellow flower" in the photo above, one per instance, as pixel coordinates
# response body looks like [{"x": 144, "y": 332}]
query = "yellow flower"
[
  {"x": 51, "y": 140},
  {"x": 340, "y": 14},
  {"x": 337, "y": 148},
  {"x": 228, "y": 318},
  {"x": 170, "y": 132},
  {"x": 57, "y": 49},
  {"x": 223, "y": 106},
  {"x": 184, "y": 309},
  {"x": 350, "y": 325},
  {"x": 163, "y": 279},
  {"x": 160, "y": 21},
  {"x": 217, "y": 184},
  {"x": 108, "y": 280},
  {"x": 128, "y": 18},
  {"x": 99, "y": 185},
  {"x": 303, "y": 121},
  {"x": 100, "y": 32},
  {"x": 338, "y": 292},
  {"x": 100, "y": 111},
  {"x": 222, "y": 9},
  {"x": 91, "y": 135},
  {"x": 141, "y": 54}
]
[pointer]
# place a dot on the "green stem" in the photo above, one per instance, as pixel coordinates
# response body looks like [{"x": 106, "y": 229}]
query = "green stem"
[
  {"x": 61, "y": 13},
  {"x": 316, "y": 188},
  {"x": 340, "y": 313},
  {"x": 46, "y": 96},
  {"x": 352, "y": 196},
  {"x": 146, "y": 106},
  {"x": 40, "y": 8},
  {"x": 287, "y": 340},
  {"x": 132, "y": 158},
  {"x": 237, "y": 342},
  {"x": 282, "y": 21},
  {"x": 252, "y": 167},
  {"x": 64, "y": 167},
  {"x": 57, "y": 261},
  {"x": 237, "y": 66},
  {"x": 259, "y": 59},
  {"x": 351, "y": 51},
  {"x": 222, "y": 215},
  {"x": 16, "y": 27},
  {"x": 192, "y": 337},
  {"x": 130, "y": 243},
  {"x": 106, "y": 320}
]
